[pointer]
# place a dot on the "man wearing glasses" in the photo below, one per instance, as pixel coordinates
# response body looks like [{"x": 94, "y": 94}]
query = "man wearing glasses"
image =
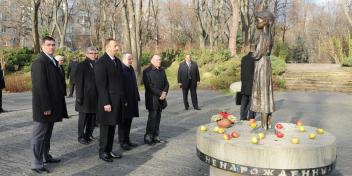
[{"x": 86, "y": 96}]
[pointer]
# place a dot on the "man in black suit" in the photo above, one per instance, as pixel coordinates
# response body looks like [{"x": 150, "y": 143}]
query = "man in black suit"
[
  {"x": 2, "y": 85},
  {"x": 60, "y": 59},
  {"x": 71, "y": 71},
  {"x": 109, "y": 80},
  {"x": 247, "y": 71},
  {"x": 49, "y": 104},
  {"x": 132, "y": 97},
  {"x": 86, "y": 96},
  {"x": 156, "y": 88},
  {"x": 188, "y": 78}
]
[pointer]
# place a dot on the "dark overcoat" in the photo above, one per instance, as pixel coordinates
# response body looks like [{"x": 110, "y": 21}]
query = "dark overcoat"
[
  {"x": 131, "y": 90},
  {"x": 86, "y": 91},
  {"x": 47, "y": 90},
  {"x": 155, "y": 82},
  {"x": 109, "y": 80}
]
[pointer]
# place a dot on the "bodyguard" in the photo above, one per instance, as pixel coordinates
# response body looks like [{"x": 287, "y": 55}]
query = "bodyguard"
[
  {"x": 188, "y": 78},
  {"x": 109, "y": 80},
  {"x": 156, "y": 89},
  {"x": 86, "y": 96},
  {"x": 71, "y": 71},
  {"x": 49, "y": 104}
]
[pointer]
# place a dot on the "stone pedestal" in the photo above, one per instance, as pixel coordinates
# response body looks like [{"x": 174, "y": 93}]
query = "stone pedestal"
[{"x": 271, "y": 156}]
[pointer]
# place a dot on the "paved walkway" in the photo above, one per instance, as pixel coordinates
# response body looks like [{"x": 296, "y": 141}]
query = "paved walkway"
[{"x": 332, "y": 111}]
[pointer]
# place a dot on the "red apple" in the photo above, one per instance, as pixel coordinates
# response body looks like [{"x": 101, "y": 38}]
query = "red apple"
[
  {"x": 279, "y": 126},
  {"x": 280, "y": 135},
  {"x": 227, "y": 136},
  {"x": 234, "y": 134}
]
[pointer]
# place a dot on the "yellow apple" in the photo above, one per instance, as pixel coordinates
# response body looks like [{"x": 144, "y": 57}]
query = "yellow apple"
[
  {"x": 301, "y": 129},
  {"x": 320, "y": 131},
  {"x": 253, "y": 125},
  {"x": 312, "y": 136},
  {"x": 295, "y": 140},
  {"x": 216, "y": 129},
  {"x": 203, "y": 128},
  {"x": 254, "y": 140},
  {"x": 227, "y": 136},
  {"x": 221, "y": 131},
  {"x": 261, "y": 136}
]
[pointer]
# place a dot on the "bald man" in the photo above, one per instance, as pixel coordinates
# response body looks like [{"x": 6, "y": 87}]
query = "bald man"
[{"x": 156, "y": 88}]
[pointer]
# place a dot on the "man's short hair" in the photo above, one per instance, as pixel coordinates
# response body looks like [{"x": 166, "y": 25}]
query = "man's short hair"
[
  {"x": 107, "y": 41},
  {"x": 91, "y": 49},
  {"x": 47, "y": 38}
]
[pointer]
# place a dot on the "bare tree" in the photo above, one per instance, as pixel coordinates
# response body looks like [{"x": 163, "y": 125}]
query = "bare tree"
[
  {"x": 35, "y": 33},
  {"x": 234, "y": 27}
]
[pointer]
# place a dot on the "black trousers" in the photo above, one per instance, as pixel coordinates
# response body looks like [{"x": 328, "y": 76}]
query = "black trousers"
[
  {"x": 72, "y": 88},
  {"x": 193, "y": 89},
  {"x": 124, "y": 130},
  {"x": 86, "y": 123},
  {"x": 107, "y": 134},
  {"x": 246, "y": 113},
  {"x": 153, "y": 123}
]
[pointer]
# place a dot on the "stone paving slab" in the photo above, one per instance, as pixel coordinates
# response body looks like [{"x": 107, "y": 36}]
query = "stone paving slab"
[{"x": 331, "y": 111}]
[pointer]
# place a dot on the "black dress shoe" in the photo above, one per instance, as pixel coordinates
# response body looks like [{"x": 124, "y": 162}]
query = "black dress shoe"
[
  {"x": 197, "y": 108},
  {"x": 114, "y": 155},
  {"x": 148, "y": 140},
  {"x": 105, "y": 157},
  {"x": 83, "y": 141},
  {"x": 41, "y": 170},
  {"x": 125, "y": 146},
  {"x": 186, "y": 108},
  {"x": 158, "y": 140},
  {"x": 131, "y": 144},
  {"x": 51, "y": 159},
  {"x": 90, "y": 138}
]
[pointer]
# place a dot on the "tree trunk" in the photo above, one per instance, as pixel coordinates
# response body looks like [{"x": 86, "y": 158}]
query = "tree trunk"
[
  {"x": 234, "y": 27},
  {"x": 35, "y": 33}
]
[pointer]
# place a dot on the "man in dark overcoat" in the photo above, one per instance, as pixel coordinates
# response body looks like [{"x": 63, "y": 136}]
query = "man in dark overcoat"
[
  {"x": 109, "y": 80},
  {"x": 132, "y": 97},
  {"x": 71, "y": 71},
  {"x": 156, "y": 89},
  {"x": 86, "y": 96},
  {"x": 49, "y": 106},
  {"x": 2, "y": 86},
  {"x": 247, "y": 71}
]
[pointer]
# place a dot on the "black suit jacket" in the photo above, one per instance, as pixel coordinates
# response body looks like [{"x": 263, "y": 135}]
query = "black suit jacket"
[
  {"x": 247, "y": 72},
  {"x": 183, "y": 76},
  {"x": 86, "y": 91},
  {"x": 155, "y": 82},
  {"x": 47, "y": 90},
  {"x": 2, "y": 80},
  {"x": 109, "y": 80}
]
